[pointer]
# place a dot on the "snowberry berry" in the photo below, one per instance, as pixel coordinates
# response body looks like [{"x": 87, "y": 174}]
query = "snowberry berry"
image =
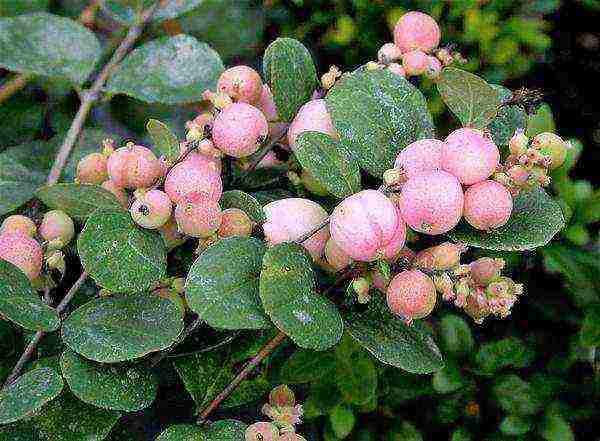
[
  {"x": 388, "y": 53},
  {"x": 198, "y": 215},
  {"x": 134, "y": 166},
  {"x": 242, "y": 83},
  {"x": 92, "y": 169},
  {"x": 397, "y": 69},
  {"x": 361, "y": 287},
  {"x": 262, "y": 432},
  {"x": 22, "y": 251},
  {"x": 266, "y": 104},
  {"x": 420, "y": 157},
  {"x": 191, "y": 176},
  {"x": 411, "y": 294},
  {"x": 552, "y": 146},
  {"x": 235, "y": 222},
  {"x": 416, "y": 31},
  {"x": 415, "y": 62},
  {"x": 18, "y": 224},
  {"x": 470, "y": 156},
  {"x": 440, "y": 257},
  {"x": 485, "y": 269},
  {"x": 291, "y": 437},
  {"x": 288, "y": 219},
  {"x": 57, "y": 229},
  {"x": 118, "y": 192},
  {"x": 335, "y": 256},
  {"x": 434, "y": 67},
  {"x": 152, "y": 209},
  {"x": 518, "y": 143},
  {"x": 312, "y": 117},
  {"x": 432, "y": 203},
  {"x": 398, "y": 239},
  {"x": 488, "y": 205},
  {"x": 239, "y": 130},
  {"x": 364, "y": 224}
]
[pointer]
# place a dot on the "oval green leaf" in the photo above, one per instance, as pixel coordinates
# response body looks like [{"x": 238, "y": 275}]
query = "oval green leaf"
[
  {"x": 119, "y": 255},
  {"x": 20, "y": 304},
  {"x": 226, "y": 430},
  {"x": 182, "y": 432},
  {"x": 18, "y": 182},
  {"x": 28, "y": 394},
  {"x": 113, "y": 387},
  {"x": 245, "y": 202},
  {"x": 48, "y": 45},
  {"x": 377, "y": 114},
  {"x": 535, "y": 220},
  {"x": 329, "y": 162},
  {"x": 222, "y": 285},
  {"x": 168, "y": 70},
  {"x": 391, "y": 341},
  {"x": 125, "y": 12},
  {"x": 507, "y": 120},
  {"x": 472, "y": 100},
  {"x": 288, "y": 294},
  {"x": 120, "y": 328},
  {"x": 77, "y": 200},
  {"x": 164, "y": 139},
  {"x": 290, "y": 72}
]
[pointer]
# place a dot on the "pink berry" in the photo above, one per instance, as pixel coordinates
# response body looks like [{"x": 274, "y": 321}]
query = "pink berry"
[
  {"x": 415, "y": 62},
  {"x": 420, "y": 157},
  {"x": 262, "y": 432},
  {"x": 488, "y": 205},
  {"x": 198, "y": 215},
  {"x": 379, "y": 282},
  {"x": 92, "y": 169},
  {"x": 388, "y": 53},
  {"x": 192, "y": 176},
  {"x": 291, "y": 437},
  {"x": 289, "y": 219},
  {"x": 118, "y": 192},
  {"x": 397, "y": 69},
  {"x": 441, "y": 257},
  {"x": 270, "y": 160},
  {"x": 470, "y": 156},
  {"x": 399, "y": 238},
  {"x": 266, "y": 104},
  {"x": 18, "y": 224},
  {"x": 335, "y": 256},
  {"x": 235, "y": 222},
  {"x": 485, "y": 269},
  {"x": 432, "y": 203},
  {"x": 57, "y": 229},
  {"x": 239, "y": 130},
  {"x": 134, "y": 166},
  {"x": 434, "y": 67},
  {"x": 411, "y": 295},
  {"x": 364, "y": 224},
  {"x": 152, "y": 209},
  {"x": 242, "y": 83},
  {"x": 416, "y": 31},
  {"x": 312, "y": 117},
  {"x": 23, "y": 252}
]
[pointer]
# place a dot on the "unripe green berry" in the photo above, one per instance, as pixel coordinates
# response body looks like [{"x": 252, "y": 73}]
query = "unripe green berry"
[
  {"x": 92, "y": 169},
  {"x": 235, "y": 222},
  {"x": 518, "y": 143},
  {"x": 57, "y": 229},
  {"x": 553, "y": 146},
  {"x": 151, "y": 209}
]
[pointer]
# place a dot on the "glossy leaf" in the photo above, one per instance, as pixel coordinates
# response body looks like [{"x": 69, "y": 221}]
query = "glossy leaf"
[
  {"x": 128, "y": 12},
  {"x": 182, "y": 432},
  {"x": 18, "y": 182},
  {"x": 507, "y": 120},
  {"x": 77, "y": 200},
  {"x": 245, "y": 202},
  {"x": 456, "y": 337},
  {"x": 165, "y": 141}
]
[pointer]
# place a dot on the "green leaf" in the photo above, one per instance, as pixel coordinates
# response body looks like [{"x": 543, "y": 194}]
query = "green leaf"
[
  {"x": 508, "y": 119},
  {"x": 329, "y": 163},
  {"x": 163, "y": 138},
  {"x": 120, "y": 328},
  {"x": 20, "y": 304},
  {"x": 9, "y": 8},
  {"x": 168, "y": 70},
  {"x": 306, "y": 367},
  {"x": 290, "y": 71},
  {"x": 448, "y": 380},
  {"x": 48, "y": 45},
  {"x": 68, "y": 419},
  {"x": 342, "y": 421},
  {"x": 182, "y": 432},
  {"x": 496, "y": 355},
  {"x": 541, "y": 121},
  {"x": 128, "y": 12},
  {"x": 118, "y": 254},
  {"x": 18, "y": 182},
  {"x": 514, "y": 425},
  {"x": 114, "y": 387},
  {"x": 245, "y": 202},
  {"x": 391, "y": 341},
  {"x": 590, "y": 327},
  {"x": 21, "y": 431},
  {"x": 515, "y": 396},
  {"x": 28, "y": 394},
  {"x": 404, "y": 431},
  {"x": 377, "y": 114},
  {"x": 226, "y": 430},
  {"x": 461, "y": 434},
  {"x": 455, "y": 335},
  {"x": 356, "y": 378},
  {"x": 77, "y": 200},
  {"x": 472, "y": 100},
  {"x": 288, "y": 293},
  {"x": 535, "y": 220},
  {"x": 556, "y": 428},
  {"x": 222, "y": 285}
]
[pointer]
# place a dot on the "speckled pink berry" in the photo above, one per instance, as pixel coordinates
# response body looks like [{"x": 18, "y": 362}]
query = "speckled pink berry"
[
  {"x": 22, "y": 251},
  {"x": 266, "y": 104},
  {"x": 335, "y": 256},
  {"x": 134, "y": 166},
  {"x": 470, "y": 156},
  {"x": 262, "y": 431},
  {"x": 312, "y": 117},
  {"x": 394, "y": 246},
  {"x": 388, "y": 53},
  {"x": 432, "y": 203},
  {"x": 488, "y": 205},
  {"x": 289, "y": 219},
  {"x": 57, "y": 228},
  {"x": 239, "y": 130},
  {"x": 434, "y": 67},
  {"x": 411, "y": 295},
  {"x": 441, "y": 257},
  {"x": 423, "y": 156},
  {"x": 242, "y": 83},
  {"x": 192, "y": 176},
  {"x": 415, "y": 62},
  {"x": 92, "y": 169},
  {"x": 198, "y": 215},
  {"x": 416, "y": 31},
  {"x": 152, "y": 209},
  {"x": 397, "y": 69},
  {"x": 235, "y": 222},
  {"x": 118, "y": 192},
  {"x": 18, "y": 224},
  {"x": 364, "y": 224}
]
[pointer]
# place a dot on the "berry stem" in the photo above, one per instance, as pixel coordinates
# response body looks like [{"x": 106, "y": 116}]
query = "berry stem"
[
  {"x": 259, "y": 156},
  {"x": 93, "y": 94}
]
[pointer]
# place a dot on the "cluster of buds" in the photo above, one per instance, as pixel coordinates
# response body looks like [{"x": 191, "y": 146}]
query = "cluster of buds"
[
  {"x": 448, "y": 56},
  {"x": 329, "y": 78},
  {"x": 529, "y": 161}
]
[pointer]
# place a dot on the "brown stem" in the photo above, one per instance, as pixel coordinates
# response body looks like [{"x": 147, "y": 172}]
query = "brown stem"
[
  {"x": 259, "y": 156},
  {"x": 13, "y": 86},
  {"x": 93, "y": 94}
]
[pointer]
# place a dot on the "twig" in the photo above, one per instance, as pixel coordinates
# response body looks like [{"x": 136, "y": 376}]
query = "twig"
[
  {"x": 28, "y": 352},
  {"x": 93, "y": 94},
  {"x": 13, "y": 86},
  {"x": 260, "y": 155},
  {"x": 312, "y": 232}
]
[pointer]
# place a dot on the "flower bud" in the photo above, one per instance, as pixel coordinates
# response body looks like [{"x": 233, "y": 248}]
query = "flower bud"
[
  {"x": 484, "y": 270},
  {"x": 518, "y": 143},
  {"x": 56, "y": 261},
  {"x": 282, "y": 396}
]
